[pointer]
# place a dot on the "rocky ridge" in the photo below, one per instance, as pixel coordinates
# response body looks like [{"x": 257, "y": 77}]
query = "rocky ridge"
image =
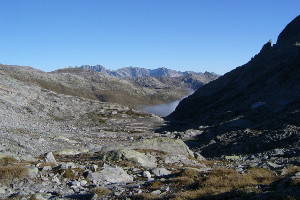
[{"x": 135, "y": 72}]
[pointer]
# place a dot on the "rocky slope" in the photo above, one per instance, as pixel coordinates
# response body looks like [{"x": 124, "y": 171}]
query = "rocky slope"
[
  {"x": 254, "y": 108},
  {"x": 97, "y": 86}
]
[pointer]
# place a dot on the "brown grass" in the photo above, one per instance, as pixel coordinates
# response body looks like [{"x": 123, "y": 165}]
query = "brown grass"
[
  {"x": 12, "y": 172},
  {"x": 295, "y": 182},
  {"x": 44, "y": 164},
  {"x": 102, "y": 191},
  {"x": 261, "y": 175},
  {"x": 292, "y": 170},
  {"x": 147, "y": 196},
  {"x": 222, "y": 181},
  {"x": 156, "y": 185},
  {"x": 71, "y": 173},
  {"x": 291, "y": 198},
  {"x": 7, "y": 161}
]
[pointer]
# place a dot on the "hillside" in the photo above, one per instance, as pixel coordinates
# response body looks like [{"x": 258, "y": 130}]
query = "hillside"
[
  {"x": 257, "y": 103},
  {"x": 97, "y": 86}
]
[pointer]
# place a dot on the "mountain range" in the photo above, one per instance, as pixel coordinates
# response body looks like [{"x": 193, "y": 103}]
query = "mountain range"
[{"x": 135, "y": 72}]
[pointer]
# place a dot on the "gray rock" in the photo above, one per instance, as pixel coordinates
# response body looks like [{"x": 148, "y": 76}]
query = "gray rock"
[
  {"x": 172, "y": 146},
  {"x": 296, "y": 176},
  {"x": 274, "y": 165},
  {"x": 32, "y": 171},
  {"x": 160, "y": 172},
  {"x": 55, "y": 180},
  {"x": 83, "y": 182},
  {"x": 47, "y": 168},
  {"x": 156, "y": 192},
  {"x": 38, "y": 196},
  {"x": 148, "y": 161},
  {"x": 110, "y": 175},
  {"x": 69, "y": 165},
  {"x": 94, "y": 167},
  {"x": 70, "y": 152},
  {"x": 146, "y": 174},
  {"x": 75, "y": 183},
  {"x": 50, "y": 158},
  {"x": 3, "y": 190},
  {"x": 233, "y": 158},
  {"x": 181, "y": 159}
]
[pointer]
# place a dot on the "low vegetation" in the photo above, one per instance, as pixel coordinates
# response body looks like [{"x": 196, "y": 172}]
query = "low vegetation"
[
  {"x": 10, "y": 169},
  {"x": 102, "y": 191},
  {"x": 227, "y": 182}
]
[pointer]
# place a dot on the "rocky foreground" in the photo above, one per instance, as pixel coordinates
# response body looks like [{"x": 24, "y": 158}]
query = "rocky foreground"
[{"x": 157, "y": 168}]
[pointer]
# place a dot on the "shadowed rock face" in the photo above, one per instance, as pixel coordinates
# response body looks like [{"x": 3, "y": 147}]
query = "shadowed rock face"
[
  {"x": 291, "y": 31},
  {"x": 270, "y": 80}
]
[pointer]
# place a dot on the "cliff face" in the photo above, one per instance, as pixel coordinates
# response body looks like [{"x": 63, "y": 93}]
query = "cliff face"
[{"x": 262, "y": 94}]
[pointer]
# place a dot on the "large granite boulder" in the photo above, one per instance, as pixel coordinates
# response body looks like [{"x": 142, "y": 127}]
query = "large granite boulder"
[
  {"x": 168, "y": 145},
  {"x": 141, "y": 159},
  {"x": 110, "y": 174}
]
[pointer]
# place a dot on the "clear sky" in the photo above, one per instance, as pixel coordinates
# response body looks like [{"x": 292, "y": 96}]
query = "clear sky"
[{"x": 196, "y": 35}]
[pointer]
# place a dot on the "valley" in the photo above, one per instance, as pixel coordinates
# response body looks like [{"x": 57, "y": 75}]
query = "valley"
[{"x": 80, "y": 133}]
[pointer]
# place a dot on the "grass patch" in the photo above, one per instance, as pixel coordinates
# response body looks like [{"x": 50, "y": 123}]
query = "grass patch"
[
  {"x": 71, "y": 173},
  {"x": 44, "y": 164},
  {"x": 156, "y": 185},
  {"x": 11, "y": 172},
  {"x": 102, "y": 191},
  {"x": 147, "y": 196},
  {"x": 225, "y": 183},
  {"x": 292, "y": 170},
  {"x": 7, "y": 161}
]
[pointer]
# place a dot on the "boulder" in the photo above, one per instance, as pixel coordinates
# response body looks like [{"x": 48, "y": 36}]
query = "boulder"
[
  {"x": 68, "y": 165},
  {"x": 50, "y": 158},
  {"x": 132, "y": 155},
  {"x": 32, "y": 171},
  {"x": 110, "y": 174},
  {"x": 181, "y": 159},
  {"x": 160, "y": 172},
  {"x": 168, "y": 145},
  {"x": 233, "y": 158},
  {"x": 146, "y": 174}
]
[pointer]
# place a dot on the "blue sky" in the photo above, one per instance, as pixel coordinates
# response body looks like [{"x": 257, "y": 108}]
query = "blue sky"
[{"x": 196, "y": 35}]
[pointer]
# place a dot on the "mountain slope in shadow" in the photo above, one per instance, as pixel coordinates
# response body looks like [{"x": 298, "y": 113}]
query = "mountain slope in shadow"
[{"x": 253, "y": 108}]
